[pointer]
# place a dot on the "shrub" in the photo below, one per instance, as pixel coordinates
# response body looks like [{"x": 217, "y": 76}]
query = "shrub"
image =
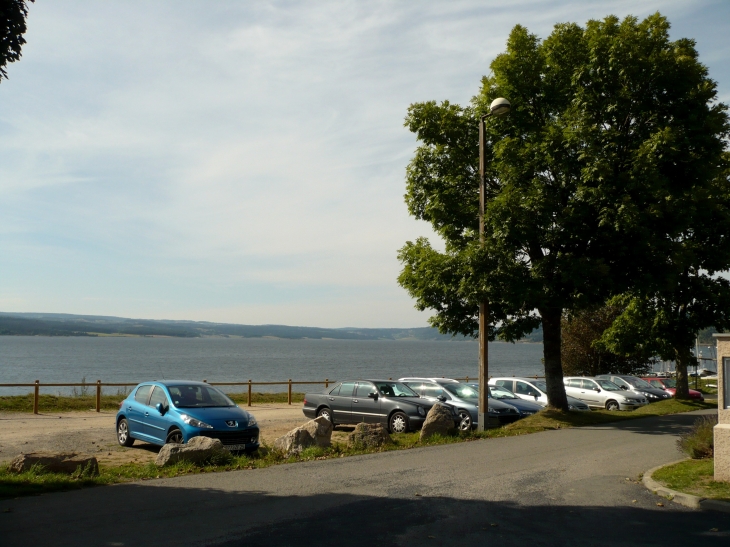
[{"x": 698, "y": 442}]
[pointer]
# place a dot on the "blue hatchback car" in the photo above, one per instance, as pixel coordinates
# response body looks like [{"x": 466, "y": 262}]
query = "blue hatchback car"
[{"x": 174, "y": 411}]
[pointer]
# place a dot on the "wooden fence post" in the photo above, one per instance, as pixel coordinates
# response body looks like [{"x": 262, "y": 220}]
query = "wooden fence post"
[
  {"x": 289, "y": 390},
  {"x": 36, "y": 394},
  {"x": 98, "y": 395},
  {"x": 326, "y": 382},
  {"x": 249, "y": 393},
  {"x": 467, "y": 379}
]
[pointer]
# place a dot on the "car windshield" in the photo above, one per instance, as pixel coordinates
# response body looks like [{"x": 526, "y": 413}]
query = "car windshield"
[
  {"x": 463, "y": 391},
  {"x": 395, "y": 389},
  {"x": 501, "y": 393},
  {"x": 669, "y": 382},
  {"x": 608, "y": 386},
  {"x": 542, "y": 386},
  {"x": 197, "y": 396},
  {"x": 638, "y": 382}
]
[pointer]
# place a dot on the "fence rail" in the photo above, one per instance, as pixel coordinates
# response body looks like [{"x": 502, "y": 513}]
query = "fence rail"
[{"x": 37, "y": 385}]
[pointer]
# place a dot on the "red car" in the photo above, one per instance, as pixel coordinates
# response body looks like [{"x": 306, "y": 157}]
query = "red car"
[{"x": 670, "y": 386}]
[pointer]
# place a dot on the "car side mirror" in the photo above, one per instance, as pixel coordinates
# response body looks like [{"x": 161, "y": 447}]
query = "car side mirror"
[
  {"x": 624, "y": 388},
  {"x": 597, "y": 389},
  {"x": 373, "y": 395},
  {"x": 536, "y": 396},
  {"x": 161, "y": 409},
  {"x": 441, "y": 398}
]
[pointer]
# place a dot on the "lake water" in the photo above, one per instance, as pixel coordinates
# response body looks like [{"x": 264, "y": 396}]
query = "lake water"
[{"x": 24, "y": 359}]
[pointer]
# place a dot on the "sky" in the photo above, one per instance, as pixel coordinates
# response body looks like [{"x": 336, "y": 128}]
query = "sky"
[{"x": 244, "y": 162}]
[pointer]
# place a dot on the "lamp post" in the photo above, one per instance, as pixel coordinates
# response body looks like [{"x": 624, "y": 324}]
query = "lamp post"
[{"x": 499, "y": 107}]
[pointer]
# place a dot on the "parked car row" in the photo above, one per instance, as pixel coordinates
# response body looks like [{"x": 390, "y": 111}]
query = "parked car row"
[
  {"x": 175, "y": 411},
  {"x": 402, "y": 405}
]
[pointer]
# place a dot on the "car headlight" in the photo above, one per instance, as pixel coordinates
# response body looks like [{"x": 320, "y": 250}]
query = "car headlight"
[
  {"x": 421, "y": 412},
  {"x": 251, "y": 420},
  {"x": 195, "y": 423},
  {"x": 571, "y": 407}
]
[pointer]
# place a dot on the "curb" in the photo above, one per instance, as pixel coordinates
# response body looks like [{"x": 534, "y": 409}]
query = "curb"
[{"x": 688, "y": 500}]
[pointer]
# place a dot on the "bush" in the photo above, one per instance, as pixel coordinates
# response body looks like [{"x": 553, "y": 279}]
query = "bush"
[{"x": 698, "y": 442}]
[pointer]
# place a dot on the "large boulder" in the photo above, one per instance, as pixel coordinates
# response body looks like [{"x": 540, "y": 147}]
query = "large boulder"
[
  {"x": 369, "y": 436},
  {"x": 56, "y": 463},
  {"x": 317, "y": 432},
  {"x": 439, "y": 421},
  {"x": 197, "y": 450}
]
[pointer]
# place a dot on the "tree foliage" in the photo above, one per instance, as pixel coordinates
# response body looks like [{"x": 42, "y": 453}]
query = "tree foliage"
[
  {"x": 582, "y": 352},
  {"x": 12, "y": 17},
  {"x": 613, "y": 146}
]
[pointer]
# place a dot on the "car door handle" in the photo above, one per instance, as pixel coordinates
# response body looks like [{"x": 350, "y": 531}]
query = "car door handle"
[
  {"x": 354, "y": 400},
  {"x": 146, "y": 414},
  {"x": 331, "y": 398},
  {"x": 129, "y": 408}
]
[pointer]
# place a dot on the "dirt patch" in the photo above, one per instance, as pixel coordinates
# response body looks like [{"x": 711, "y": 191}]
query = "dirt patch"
[{"x": 90, "y": 432}]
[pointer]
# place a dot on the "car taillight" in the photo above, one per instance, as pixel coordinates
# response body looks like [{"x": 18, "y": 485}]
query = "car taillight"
[
  {"x": 305, "y": 401},
  {"x": 120, "y": 404}
]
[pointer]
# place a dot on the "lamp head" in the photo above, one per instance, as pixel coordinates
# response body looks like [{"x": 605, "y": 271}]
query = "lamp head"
[{"x": 499, "y": 107}]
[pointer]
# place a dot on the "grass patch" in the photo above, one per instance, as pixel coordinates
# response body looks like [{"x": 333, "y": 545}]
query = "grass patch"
[
  {"x": 58, "y": 403},
  {"x": 259, "y": 398},
  {"x": 556, "y": 419},
  {"x": 694, "y": 477},
  {"x": 85, "y": 401},
  {"x": 36, "y": 482},
  {"x": 702, "y": 386}
]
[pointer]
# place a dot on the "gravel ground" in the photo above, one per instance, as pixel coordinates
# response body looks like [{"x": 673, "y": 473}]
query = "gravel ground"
[{"x": 93, "y": 433}]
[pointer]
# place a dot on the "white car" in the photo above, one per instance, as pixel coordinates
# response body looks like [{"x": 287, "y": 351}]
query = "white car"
[
  {"x": 598, "y": 393},
  {"x": 533, "y": 390}
]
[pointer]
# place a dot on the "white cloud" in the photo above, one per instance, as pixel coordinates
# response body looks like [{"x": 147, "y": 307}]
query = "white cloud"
[{"x": 200, "y": 160}]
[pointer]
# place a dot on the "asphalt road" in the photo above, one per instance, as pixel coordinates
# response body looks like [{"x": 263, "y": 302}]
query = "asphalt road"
[{"x": 575, "y": 487}]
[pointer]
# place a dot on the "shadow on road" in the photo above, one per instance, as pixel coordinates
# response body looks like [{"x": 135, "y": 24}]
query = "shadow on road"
[
  {"x": 671, "y": 424},
  {"x": 143, "y": 514}
]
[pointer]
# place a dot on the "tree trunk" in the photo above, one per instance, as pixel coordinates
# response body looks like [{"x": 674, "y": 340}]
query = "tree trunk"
[
  {"x": 551, "y": 352},
  {"x": 684, "y": 359}
]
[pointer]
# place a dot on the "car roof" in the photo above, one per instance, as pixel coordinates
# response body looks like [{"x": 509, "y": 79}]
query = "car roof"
[
  {"x": 168, "y": 383},
  {"x": 423, "y": 379},
  {"x": 522, "y": 379}
]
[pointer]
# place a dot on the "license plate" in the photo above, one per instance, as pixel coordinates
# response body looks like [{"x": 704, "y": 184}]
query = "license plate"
[{"x": 233, "y": 447}]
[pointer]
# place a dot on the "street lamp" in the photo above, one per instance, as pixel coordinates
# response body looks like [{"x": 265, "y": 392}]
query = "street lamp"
[{"x": 499, "y": 107}]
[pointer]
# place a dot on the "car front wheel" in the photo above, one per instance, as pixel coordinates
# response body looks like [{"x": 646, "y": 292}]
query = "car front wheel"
[
  {"x": 174, "y": 437},
  {"x": 612, "y": 405},
  {"x": 398, "y": 423},
  {"x": 123, "y": 436}
]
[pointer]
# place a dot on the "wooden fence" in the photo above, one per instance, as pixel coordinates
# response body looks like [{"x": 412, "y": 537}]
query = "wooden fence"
[{"x": 37, "y": 385}]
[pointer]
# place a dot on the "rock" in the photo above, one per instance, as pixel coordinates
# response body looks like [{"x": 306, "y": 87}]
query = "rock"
[
  {"x": 369, "y": 436},
  {"x": 317, "y": 432},
  {"x": 439, "y": 420},
  {"x": 197, "y": 450},
  {"x": 56, "y": 463}
]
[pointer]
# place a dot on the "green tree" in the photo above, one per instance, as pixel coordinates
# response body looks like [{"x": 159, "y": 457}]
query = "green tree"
[
  {"x": 667, "y": 322},
  {"x": 12, "y": 17},
  {"x": 583, "y": 354},
  {"x": 614, "y": 141}
]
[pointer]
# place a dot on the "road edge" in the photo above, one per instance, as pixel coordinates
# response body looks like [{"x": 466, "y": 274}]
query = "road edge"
[{"x": 688, "y": 500}]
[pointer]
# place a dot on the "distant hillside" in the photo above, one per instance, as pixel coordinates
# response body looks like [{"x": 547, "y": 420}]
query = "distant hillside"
[{"x": 61, "y": 324}]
